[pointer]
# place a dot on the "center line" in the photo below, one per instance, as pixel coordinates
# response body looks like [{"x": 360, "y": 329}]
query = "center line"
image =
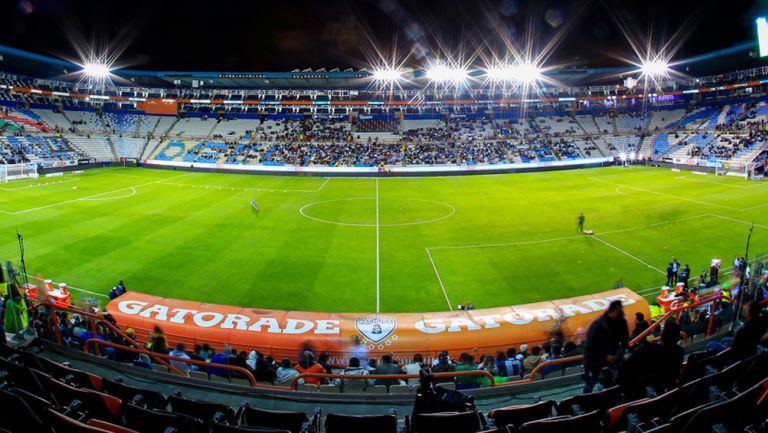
[{"x": 378, "y": 266}]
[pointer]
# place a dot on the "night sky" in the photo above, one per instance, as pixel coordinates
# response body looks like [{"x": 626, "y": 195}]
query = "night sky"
[{"x": 262, "y": 35}]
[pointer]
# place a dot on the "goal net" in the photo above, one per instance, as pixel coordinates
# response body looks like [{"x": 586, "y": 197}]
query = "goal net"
[{"x": 17, "y": 171}]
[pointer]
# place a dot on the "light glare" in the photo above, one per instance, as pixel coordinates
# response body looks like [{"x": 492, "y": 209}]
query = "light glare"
[
  {"x": 654, "y": 68},
  {"x": 441, "y": 73},
  {"x": 524, "y": 73},
  {"x": 96, "y": 70},
  {"x": 387, "y": 75}
]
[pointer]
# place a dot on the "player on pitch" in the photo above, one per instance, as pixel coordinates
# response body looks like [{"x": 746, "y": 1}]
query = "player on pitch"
[{"x": 581, "y": 223}]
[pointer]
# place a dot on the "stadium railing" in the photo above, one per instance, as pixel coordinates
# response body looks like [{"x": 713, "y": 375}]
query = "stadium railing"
[
  {"x": 532, "y": 377},
  {"x": 232, "y": 368}
]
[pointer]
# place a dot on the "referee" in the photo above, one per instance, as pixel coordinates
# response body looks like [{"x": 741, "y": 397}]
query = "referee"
[{"x": 580, "y": 228}]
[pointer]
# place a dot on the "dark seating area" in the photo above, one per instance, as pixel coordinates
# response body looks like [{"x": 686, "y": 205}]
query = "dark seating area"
[{"x": 37, "y": 394}]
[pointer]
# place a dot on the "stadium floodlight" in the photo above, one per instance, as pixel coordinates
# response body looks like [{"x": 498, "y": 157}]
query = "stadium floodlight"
[
  {"x": 387, "y": 75},
  {"x": 440, "y": 73},
  {"x": 654, "y": 68},
  {"x": 96, "y": 71}
]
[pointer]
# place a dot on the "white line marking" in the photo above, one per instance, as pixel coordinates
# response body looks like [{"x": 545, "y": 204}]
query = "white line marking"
[
  {"x": 131, "y": 194},
  {"x": 565, "y": 238},
  {"x": 627, "y": 254},
  {"x": 663, "y": 194},
  {"x": 439, "y": 280},
  {"x": 88, "y": 197},
  {"x": 38, "y": 185},
  {"x": 739, "y": 221},
  {"x": 754, "y": 207},
  {"x": 378, "y": 255},
  {"x": 238, "y": 188},
  {"x": 303, "y": 213},
  {"x": 323, "y": 185}
]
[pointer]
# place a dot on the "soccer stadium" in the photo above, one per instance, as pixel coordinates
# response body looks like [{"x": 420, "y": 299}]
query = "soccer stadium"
[{"x": 383, "y": 216}]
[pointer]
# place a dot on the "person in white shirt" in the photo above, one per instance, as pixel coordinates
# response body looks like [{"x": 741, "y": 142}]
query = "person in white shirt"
[
  {"x": 414, "y": 368},
  {"x": 179, "y": 352},
  {"x": 286, "y": 373}
]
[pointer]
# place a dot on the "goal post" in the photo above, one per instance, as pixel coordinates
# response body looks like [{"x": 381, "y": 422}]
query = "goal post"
[{"x": 18, "y": 171}]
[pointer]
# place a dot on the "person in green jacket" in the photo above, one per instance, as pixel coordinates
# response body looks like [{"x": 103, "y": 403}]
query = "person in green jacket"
[{"x": 15, "y": 315}]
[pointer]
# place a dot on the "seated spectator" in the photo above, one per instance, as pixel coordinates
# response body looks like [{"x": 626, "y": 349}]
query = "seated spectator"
[
  {"x": 466, "y": 363},
  {"x": 142, "y": 361},
  {"x": 157, "y": 342},
  {"x": 286, "y": 373},
  {"x": 414, "y": 368},
  {"x": 532, "y": 360},
  {"x": 443, "y": 365},
  {"x": 653, "y": 364},
  {"x": 388, "y": 366},
  {"x": 223, "y": 358},
  {"x": 353, "y": 368},
  {"x": 179, "y": 352},
  {"x": 308, "y": 365},
  {"x": 511, "y": 366}
]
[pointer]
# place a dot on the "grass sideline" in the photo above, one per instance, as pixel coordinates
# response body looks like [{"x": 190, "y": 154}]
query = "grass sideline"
[{"x": 315, "y": 243}]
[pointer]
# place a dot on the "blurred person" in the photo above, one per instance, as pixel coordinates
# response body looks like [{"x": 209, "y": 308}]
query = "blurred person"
[
  {"x": 14, "y": 311},
  {"x": 607, "y": 339},
  {"x": 511, "y": 366},
  {"x": 653, "y": 364}
]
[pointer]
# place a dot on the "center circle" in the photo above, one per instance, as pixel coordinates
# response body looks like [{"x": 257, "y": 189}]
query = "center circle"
[{"x": 361, "y": 212}]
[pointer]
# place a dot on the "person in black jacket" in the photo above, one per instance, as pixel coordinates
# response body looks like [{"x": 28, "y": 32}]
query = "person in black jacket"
[
  {"x": 747, "y": 338},
  {"x": 653, "y": 364},
  {"x": 607, "y": 338}
]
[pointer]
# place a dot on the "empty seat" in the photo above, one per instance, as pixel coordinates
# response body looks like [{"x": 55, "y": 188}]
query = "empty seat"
[
  {"x": 377, "y": 389},
  {"x": 18, "y": 415},
  {"x": 735, "y": 413},
  {"x": 223, "y": 428},
  {"x": 583, "y": 403},
  {"x": 454, "y": 422},
  {"x": 276, "y": 419},
  {"x": 646, "y": 410},
  {"x": 400, "y": 389},
  {"x": 149, "y": 398},
  {"x": 71, "y": 375},
  {"x": 201, "y": 409},
  {"x": 519, "y": 415},
  {"x": 97, "y": 404},
  {"x": 64, "y": 424},
  {"x": 586, "y": 423},
  {"x": 154, "y": 421},
  {"x": 335, "y": 423},
  {"x": 333, "y": 389},
  {"x": 354, "y": 385}
]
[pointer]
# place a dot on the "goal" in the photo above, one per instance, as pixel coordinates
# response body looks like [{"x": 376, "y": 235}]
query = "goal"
[{"x": 18, "y": 171}]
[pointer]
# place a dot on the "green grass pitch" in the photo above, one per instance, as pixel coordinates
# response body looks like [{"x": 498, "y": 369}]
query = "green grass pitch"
[{"x": 358, "y": 244}]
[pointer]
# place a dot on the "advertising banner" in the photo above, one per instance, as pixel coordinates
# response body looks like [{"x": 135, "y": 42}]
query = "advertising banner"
[{"x": 284, "y": 333}]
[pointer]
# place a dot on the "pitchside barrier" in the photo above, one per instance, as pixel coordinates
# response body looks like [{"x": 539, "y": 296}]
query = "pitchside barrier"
[
  {"x": 556, "y": 367},
  {"x": 284, "y": 333}
]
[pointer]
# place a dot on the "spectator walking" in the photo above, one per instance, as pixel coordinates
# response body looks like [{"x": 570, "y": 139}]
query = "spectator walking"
[{"x": 607, "y": 338}]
